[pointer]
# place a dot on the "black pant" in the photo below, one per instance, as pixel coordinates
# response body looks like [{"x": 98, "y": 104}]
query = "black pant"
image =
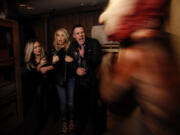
[{"x": 86, "y": 108}]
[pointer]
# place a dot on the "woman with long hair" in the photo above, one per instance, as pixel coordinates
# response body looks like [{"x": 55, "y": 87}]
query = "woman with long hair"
[
  {"x": 64, "y": 79},
  {"x": 37, "y": 84},
  {"x": 33, "y": 54}
]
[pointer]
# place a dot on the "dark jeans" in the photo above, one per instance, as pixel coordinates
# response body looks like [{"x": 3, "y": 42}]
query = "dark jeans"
[{"x": 66, "y": 99}]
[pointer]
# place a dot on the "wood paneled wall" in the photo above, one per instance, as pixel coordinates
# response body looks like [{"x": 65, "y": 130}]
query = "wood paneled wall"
[
  {"x": 33, "y": 28},
  {"x": 87, "y": 19},
  {"x": 173, "y": 26},
  {"x": 28, "y": 29}
]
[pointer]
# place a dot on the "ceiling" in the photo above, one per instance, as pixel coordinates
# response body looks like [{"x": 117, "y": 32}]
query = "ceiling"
[{"x": 34, "y": 7}]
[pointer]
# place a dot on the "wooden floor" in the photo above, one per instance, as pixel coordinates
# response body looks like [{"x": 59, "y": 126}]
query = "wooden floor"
[{"x": 51, "y": 126}]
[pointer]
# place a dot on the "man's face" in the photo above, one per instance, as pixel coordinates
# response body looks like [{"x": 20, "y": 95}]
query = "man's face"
[{"x": 79, "y": 35}]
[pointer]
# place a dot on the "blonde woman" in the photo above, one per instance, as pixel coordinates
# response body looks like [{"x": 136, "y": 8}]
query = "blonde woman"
[
  {"x": 33, "y": 54},
  {"x": 35, "y": 58},
  {"x": 37, "y": 82},
  {"x": 64, "y": 79}
]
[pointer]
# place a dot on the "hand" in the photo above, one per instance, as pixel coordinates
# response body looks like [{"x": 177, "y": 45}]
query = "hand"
[
  {"x": 43, "y": 61},
  {"x": 68, "y": 59},
  {"x": 43, "y": 70},
  {"x": 81, "y": 51},
  {"x": 55, "y": 59},
  {"x": 81, "y": 71}
]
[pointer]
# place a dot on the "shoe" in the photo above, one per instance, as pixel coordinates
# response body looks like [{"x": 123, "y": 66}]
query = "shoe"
[
  {"x": 64, "y": 127},
  {"x": 71, "y": 125}
]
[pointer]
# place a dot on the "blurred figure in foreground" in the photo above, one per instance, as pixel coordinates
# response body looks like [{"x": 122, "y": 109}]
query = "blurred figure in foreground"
[{"x": 145, "y": 66}]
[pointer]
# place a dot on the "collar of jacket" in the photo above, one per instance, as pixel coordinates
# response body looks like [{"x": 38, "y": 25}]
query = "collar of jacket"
[{"x": 85, "y": 43}]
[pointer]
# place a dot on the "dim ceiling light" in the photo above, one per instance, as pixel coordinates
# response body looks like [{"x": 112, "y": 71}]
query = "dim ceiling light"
[
  {"x": 81, "y": 4},
  {"x": 30, "y": 8},
  {"x": 22, "y": 5}
]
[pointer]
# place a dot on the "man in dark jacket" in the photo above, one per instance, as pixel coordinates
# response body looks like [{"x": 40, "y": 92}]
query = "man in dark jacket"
[{"x": 86, "y": 53}]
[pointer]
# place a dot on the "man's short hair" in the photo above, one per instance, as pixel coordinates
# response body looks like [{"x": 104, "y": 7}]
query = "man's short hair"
[{"x": 76, "y": 26}]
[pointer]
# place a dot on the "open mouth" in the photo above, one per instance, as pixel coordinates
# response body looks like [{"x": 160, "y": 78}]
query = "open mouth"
[
  {"x": 81, "y": 39},
  {"x": 38, "y": 52},
  {"x": 60, "y": 41}
]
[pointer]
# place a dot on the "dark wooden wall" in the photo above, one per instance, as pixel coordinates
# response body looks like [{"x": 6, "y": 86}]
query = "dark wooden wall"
[
  {"x": 30, "y": 28},
  {"x": 87, "y": 18}
]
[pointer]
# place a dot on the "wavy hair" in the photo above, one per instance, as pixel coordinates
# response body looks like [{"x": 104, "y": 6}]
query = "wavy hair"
[
  {"x": 29, "y": 58},
  {"x": 67, "y": 41}
]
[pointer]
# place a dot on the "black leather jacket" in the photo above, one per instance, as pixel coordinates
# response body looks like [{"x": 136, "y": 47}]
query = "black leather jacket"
[
  {"x": 90, "y": 61},
  {"x": 58, "y": 75}
]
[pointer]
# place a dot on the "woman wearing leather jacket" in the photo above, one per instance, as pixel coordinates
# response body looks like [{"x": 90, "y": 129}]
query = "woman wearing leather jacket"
[{"x": 63, "y": 78}]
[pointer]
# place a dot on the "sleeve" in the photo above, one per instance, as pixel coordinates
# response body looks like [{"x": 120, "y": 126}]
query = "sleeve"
[
  {"x": 71, "y": 50},
  {"x": 49, "y": 57}
]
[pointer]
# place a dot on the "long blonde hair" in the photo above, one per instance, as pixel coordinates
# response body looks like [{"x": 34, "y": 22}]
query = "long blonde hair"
[
  {"x": 29, "y": 55},
  {"x": 67, "y": 41}
]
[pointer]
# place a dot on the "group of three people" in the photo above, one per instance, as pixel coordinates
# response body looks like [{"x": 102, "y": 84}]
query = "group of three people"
[{"x": 70, "y": 68}]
